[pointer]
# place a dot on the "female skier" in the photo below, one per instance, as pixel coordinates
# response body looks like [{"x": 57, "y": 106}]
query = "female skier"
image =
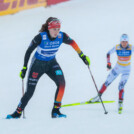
[
  {"x": 47, "y": 43},
  {"x": 124, "y": 51}
]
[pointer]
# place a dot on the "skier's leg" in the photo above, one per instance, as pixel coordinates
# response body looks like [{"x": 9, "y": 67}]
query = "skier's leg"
[
  {"x": 113, "y": 74},
  {"x": 56, "y": 74},
  {"x": 35, "y": 72},
  {"x": 123, "y": 81},
  {"x": 111, "y": 77}
]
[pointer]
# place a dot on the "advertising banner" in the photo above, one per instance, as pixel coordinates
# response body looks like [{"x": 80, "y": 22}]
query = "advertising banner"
[
  {"x": 52, "y": 2},
  {"x": 13, "y": 6}
]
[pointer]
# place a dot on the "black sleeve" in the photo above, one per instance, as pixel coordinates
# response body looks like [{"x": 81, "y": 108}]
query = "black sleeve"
[
  {"x": 35, "y": 42},
  {"x": 67, "y": 39}
]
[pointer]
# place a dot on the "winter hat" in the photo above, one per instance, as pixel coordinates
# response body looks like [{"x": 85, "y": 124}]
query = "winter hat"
[
  {"x": 124, "y": 37},
  {"x": 55, "y": 23}
]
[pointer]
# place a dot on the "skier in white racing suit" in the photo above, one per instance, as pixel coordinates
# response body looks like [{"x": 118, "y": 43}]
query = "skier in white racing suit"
[{"x": 124, "y": 51}]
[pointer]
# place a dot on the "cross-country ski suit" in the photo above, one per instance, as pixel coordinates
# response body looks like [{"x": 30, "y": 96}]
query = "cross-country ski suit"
[
  {"x": 122, "y": 67},
  {"x": 44, "y": 62}
]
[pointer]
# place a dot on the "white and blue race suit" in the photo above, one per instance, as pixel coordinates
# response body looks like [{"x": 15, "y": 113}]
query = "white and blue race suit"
[{"x": 123, "y": 67}]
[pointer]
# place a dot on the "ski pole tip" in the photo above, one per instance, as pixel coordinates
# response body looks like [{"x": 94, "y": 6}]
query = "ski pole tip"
[{"x": 106, "y": 113}]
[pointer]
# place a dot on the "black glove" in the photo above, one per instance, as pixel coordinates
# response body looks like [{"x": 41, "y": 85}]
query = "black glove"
[
  {"x": 109, "y": 65},
  {"x": 23, "y": 72},
  {"x": 85, "y": 59}
]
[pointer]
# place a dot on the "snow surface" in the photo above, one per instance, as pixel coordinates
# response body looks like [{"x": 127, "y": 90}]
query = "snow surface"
[{"x": 96, "y": 25}]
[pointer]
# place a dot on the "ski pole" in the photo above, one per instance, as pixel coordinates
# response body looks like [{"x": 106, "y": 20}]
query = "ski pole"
[
  {"x": 97, "y": 90},
  {"x": 23, "y": 95}
]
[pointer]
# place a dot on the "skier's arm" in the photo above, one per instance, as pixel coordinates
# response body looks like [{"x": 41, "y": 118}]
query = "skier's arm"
[
  {"x": 71, "y": 42},
  {"x": 108, "y": 57},
  {"x": 132, "y": 48},
  {"x": 35, "y": 42}
]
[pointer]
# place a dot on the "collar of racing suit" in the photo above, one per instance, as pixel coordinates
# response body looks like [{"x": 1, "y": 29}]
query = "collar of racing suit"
[{"x": 126, "y": 47}]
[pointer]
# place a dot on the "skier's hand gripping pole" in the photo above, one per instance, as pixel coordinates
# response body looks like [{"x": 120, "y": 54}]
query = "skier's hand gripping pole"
[
  {"x": 85, "y": 58},
  {"x": 97, "y": 90},
  {"x": 23, "y": 72}
]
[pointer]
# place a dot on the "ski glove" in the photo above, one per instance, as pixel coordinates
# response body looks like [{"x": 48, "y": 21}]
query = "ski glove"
[
  {"x": 85, "y": 58},
  {"x": 109, "y": 65},
  {"x": 23, "y": 72}
]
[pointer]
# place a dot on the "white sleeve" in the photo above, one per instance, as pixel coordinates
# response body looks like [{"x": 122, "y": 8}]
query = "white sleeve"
[
  {"x": 132, "y": 48},
  {"x": 112, "y": 50}
]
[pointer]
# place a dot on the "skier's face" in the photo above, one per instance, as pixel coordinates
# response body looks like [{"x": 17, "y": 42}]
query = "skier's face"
[
  {"x": 54, "y": 32},
  {"x": 124, "y": 44}
]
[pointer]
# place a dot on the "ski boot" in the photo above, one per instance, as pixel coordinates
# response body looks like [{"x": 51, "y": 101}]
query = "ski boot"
[
  {"x": 56, "y": 111},
  {"x": 15, "y": 115},
  {"x": 120, "y": 107},
  {"x": 57, "y": 114},
  {"x": 95, "y": 99}
]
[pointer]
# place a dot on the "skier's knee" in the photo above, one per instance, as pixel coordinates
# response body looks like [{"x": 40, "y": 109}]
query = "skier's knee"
[{"x": 107, "y": 83}]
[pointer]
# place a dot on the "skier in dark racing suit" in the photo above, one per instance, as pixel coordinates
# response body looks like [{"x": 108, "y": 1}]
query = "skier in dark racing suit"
[{"x": 47, "y": 43}]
